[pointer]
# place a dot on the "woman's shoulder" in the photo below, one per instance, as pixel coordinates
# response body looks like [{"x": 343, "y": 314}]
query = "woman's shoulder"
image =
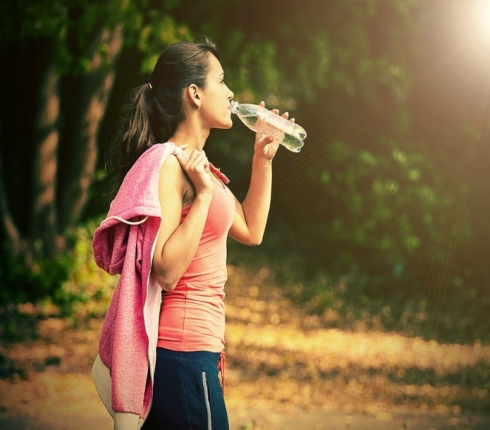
[
  {"x": 171, "y": 167},
  {"x": 175, "y": 187},
  {"x": 172, "y": 173}
]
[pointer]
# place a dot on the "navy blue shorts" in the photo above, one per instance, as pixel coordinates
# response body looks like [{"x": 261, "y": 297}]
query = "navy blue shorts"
[{"x": 187, "y": 393}]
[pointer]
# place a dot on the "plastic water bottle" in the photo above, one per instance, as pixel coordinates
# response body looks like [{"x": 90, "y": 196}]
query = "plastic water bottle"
[{"x": 261, "y": 120}]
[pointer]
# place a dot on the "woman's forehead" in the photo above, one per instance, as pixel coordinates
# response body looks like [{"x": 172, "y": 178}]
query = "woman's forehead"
[{"x": 215, "y": 66}]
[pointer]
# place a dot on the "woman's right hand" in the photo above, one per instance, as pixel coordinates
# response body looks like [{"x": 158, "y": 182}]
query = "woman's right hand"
[{"x": 196, "y": 166}]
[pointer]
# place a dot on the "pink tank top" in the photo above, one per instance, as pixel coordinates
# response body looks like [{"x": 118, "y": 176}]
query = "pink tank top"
[{"x": 192, "y": 316}]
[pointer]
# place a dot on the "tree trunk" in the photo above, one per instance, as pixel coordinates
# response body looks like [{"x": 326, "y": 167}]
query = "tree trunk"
[
  {"x": 95, "y": 90},
  {"x": 8, "y": 225},
  {"x": 43, "y": 223}
]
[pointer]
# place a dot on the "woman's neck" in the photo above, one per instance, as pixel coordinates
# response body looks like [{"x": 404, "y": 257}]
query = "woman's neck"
[{"x": 192, "y": 136}]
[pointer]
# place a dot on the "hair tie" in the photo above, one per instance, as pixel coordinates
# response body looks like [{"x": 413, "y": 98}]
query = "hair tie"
[{"x": 148, "y": 82}]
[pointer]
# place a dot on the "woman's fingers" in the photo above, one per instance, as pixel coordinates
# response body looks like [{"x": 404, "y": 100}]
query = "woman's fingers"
[
  {"x": 196, "y": 165},
  {"x": 196, "y": 162},
  {"x": 276, "y": 111},
  {"x": 195, "y": 157},
  {"x": 264, "y": 139}
]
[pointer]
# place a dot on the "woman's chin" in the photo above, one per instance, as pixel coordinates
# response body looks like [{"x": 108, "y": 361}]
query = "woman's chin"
[{"x": 225, "y": 126}]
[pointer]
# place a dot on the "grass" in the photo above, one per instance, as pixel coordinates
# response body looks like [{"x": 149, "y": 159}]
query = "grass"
[{"x": 296, "y": 359}]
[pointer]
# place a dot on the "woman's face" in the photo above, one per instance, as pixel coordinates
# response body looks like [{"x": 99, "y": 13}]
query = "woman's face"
[{"x": 215, "y": 99}]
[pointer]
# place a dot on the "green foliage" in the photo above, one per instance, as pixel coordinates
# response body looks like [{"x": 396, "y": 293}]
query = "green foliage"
[
  {"x": 377, "y": 224},
  {"x": 339, "y": 301},
  {"x": 88, "y": 289},
  {"x": 367, "y": 198},
  {"x": 41, "y": 279},
  {"x": 71, "y": 281},
  {"x": 158, "y": 31},
  {"x": 69, "y": 25}
]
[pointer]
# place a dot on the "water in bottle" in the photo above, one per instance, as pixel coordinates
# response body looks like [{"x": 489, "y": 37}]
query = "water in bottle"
[{"x": 261, "y": 120}]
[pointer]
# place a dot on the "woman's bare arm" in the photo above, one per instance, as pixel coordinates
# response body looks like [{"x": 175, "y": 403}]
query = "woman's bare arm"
[{"x": 177, "y": 242}]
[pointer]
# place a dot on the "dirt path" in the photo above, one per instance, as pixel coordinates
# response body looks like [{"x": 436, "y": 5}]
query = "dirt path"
[
  {"x": 57, "y": 393},
  {"x": 49, "y": 400},
  {"x": 282, "y": 373}
]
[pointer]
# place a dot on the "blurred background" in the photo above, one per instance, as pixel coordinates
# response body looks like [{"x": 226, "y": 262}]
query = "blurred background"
[{"x": 383, "y": 217}]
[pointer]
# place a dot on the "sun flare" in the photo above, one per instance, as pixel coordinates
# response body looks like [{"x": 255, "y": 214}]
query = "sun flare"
[{"x": 483, "y": 17}]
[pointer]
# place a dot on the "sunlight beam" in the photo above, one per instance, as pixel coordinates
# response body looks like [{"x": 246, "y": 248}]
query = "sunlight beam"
[
  {"x": 485, "y": 18},
  {"x": 479, "y": 18}
]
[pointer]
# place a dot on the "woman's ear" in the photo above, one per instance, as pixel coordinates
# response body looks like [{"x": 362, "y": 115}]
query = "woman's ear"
[{"x": 193, "y": 93}]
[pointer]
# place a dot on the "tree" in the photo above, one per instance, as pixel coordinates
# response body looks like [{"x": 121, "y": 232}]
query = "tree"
[
  {"x": 61, "y": 76},
  {"x": 353, "y": 74},
  {"x": 54, "y": 95},
  {"x": 370, "y": 192}
]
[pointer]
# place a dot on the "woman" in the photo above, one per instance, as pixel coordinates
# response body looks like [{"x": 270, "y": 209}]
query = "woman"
[{"x": 166, "y": 233}]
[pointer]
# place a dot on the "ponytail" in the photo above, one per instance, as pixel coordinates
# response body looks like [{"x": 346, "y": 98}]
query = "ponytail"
[
  {"x": 135, "y": 136},
  {"x": 154, "y": 110}
]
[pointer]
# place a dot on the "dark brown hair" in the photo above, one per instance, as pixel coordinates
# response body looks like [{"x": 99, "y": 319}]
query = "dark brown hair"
[{"x": 155, "y": 109}]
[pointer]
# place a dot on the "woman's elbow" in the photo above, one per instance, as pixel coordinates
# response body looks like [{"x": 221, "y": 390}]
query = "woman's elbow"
[
  {"x": 166, "y": 283},
  {"x": 254, "y": 240},
  {"x": 166, "y": 286}
]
